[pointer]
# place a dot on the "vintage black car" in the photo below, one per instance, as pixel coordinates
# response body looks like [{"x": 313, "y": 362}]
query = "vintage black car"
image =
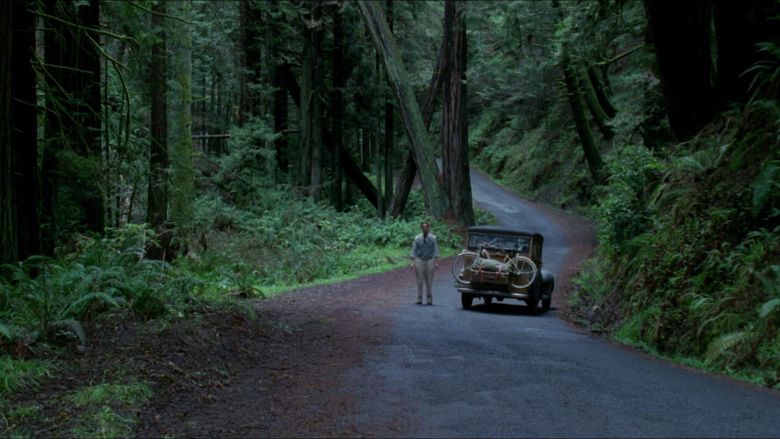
[{"x": 503, "y": 263}]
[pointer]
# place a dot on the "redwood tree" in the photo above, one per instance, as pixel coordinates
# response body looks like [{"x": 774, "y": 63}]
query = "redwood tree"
[{"x": 455, "y": 159}]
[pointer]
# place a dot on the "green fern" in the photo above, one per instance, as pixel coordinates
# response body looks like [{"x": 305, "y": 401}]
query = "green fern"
[
  {"x": 766, "y": 186},
  {"x": 769, "y": 307},
  {"x": 725, "y": 345}
]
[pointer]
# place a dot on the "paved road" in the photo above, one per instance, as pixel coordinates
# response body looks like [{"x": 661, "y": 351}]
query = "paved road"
[{"x": 503, "y": 372}]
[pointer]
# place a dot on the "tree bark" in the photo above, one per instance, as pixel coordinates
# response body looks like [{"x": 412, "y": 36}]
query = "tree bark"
[
  {"x": 71, "y": 166},
  {"x": 739, "y": 25},
  {"x": 589, "y": 148},
  {"x": 457, "y": 180},
  {"x": 311, "y": 109},
  {"x": 280, "y": 120},
  {"x": 157, "y": 200},
  {"x": 594, "y": 106},
  {"x": 435, "y": 196},
  {"x": 19, "y": 224},
  {"x": 601, "y": 94},
  {"x": 337, "y": 109},
  {"x": 387, "y": 153},
  {"x": 8, "y": 224},
  {"x": 681, "y": 35},
  {"x": 351, "y": 168},
  {"x": 182, "y": 188},
  {"x": 409, "y": 170}
]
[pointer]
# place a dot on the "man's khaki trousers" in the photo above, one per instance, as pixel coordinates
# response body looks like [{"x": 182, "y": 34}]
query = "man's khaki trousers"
[{"x": 424, "y": 270}]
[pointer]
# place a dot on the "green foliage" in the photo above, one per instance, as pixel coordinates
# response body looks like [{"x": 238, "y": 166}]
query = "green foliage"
[
  {"x": 51, "y": 296},
  {"x": 692, "y": 250},
  {"x": 106, "y": 410},
  {"x": 623, "y": 213},
  {"x": 18, "y": 374},
  {"x": 107, "y": 393},
  {"x": 285, "y": 241}
]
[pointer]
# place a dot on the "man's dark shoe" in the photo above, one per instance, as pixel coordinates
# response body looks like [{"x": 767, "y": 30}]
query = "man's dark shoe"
[
  {"x": 419, "y": 302},
  {"x": 430, "y": 302}
]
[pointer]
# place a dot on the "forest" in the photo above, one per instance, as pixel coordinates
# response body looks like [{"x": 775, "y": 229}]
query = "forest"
[{"x": 162, "y": 161}]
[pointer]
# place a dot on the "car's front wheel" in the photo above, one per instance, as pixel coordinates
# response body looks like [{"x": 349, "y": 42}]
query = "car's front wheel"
[{"x": 466, "y": 300}]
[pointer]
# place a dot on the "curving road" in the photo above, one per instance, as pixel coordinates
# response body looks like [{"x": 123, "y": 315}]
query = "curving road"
[{"x": 501, "y": 372}]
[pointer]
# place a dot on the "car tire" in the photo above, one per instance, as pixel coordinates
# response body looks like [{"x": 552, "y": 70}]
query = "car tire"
[
  {"x": 466, "y": 300},
  {"x": 533, "y": 301}
]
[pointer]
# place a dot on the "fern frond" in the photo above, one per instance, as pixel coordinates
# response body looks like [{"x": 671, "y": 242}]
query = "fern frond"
[
  {"x": 724, "y": 345},
  {"x": 769, "y": 307},
  {"x": 86, "y": 299}
]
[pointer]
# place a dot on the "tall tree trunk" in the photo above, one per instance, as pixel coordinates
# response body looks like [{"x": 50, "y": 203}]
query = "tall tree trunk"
[
  {"x": 457, "y": 179},
  {"x": 337, "y": 109},
  {"x": 409, "y": 170},
  {"x": 592, "y": 154},
  {"x": 436, "y": 198},
  {"x": 378, "y": 145},
  {"x": 681, "y": 34},
  {"x": 351, "y": 168},
  {"x": 280, "y": 120},
  {"x": 182, "y": 188},
  {"x": 601, "y": 94},
  {"x": 251, "y": 42},
  {"x": 71, "y": 162},
  {"x": 157, "y": 200},
  {"x": 26, "y": 128},
  {"x": 600, "y": 116},
  {"x": 389, "y": 130},
  {"x": 8, "y": 223},
  {"x": 311, "y": 123}
]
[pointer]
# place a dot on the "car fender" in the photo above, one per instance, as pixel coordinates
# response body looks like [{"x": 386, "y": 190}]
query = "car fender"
[{"x": 548, "y": 283}]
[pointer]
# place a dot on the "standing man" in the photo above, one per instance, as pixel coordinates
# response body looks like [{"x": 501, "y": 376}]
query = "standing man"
[{"x": 425, "y": 258}]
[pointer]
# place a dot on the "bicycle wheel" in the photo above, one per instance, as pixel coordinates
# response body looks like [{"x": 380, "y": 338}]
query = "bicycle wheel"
[
  {"x": 461, "y": 267},
  {"x": 523, "y": 272}
]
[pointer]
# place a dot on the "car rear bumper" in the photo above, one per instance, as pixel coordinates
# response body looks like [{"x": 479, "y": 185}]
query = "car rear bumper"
[{"x": 481, "y": 292}]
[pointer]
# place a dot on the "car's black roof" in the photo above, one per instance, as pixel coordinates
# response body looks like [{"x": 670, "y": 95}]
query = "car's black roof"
[{"x": 501, "y": 231}]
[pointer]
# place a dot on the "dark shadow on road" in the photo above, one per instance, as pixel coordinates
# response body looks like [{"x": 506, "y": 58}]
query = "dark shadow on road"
[{"x": 509, "y": 309}]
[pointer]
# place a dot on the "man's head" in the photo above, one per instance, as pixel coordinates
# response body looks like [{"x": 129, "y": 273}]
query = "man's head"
[{"x": 426, "y": 227}]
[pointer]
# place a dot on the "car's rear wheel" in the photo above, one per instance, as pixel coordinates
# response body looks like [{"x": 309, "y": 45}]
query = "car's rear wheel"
[
  {"x": 466, "y": 300},
  {"x": 533, "y": 302},
  {"x": 461, "y": 267},
  {"x": 546, "y": 303}
]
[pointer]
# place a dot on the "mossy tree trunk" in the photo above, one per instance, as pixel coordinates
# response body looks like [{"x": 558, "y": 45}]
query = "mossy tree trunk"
[
  {"x": 589, "y": 148},
  {"x": 457, "y": 179},
  {"x": 337, "y": 110},
  {"x": 387, "y": 152},
  {"x": 157, "y": 198},
  {"x": 182, "y": 187},
  {"x": 436, "y": 199},
  {"x": 597, "y": 111},
  {"x": 409, "y": 169},
  {"x": 311, "y": 105}
]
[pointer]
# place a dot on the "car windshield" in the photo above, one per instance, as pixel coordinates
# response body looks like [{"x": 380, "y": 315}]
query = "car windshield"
[{"x": 513, "y": 243}]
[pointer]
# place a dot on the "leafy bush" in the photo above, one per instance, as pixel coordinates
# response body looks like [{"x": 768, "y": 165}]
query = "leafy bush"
[
  {"x": 50, "y": 296},
  {"x": 692, "y": 250},
  {"x": 286, "y": 241}
]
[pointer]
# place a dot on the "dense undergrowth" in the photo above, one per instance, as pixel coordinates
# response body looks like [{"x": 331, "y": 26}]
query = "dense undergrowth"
[
  {"x": 689, "y": 257},
  {"x": 250, "y": 237}
]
